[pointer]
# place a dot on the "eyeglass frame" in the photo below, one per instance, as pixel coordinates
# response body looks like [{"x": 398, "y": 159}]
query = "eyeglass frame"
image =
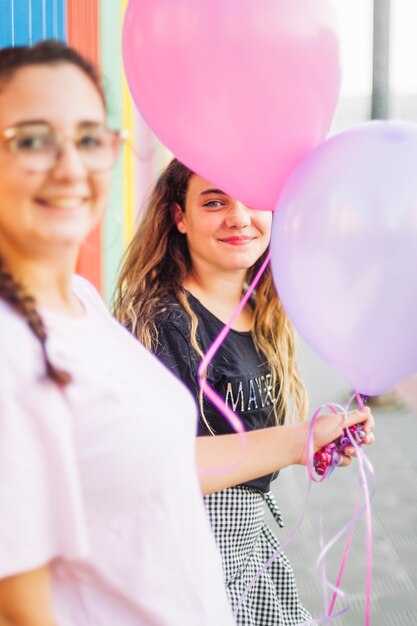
[{"x": 9, "y": 133}]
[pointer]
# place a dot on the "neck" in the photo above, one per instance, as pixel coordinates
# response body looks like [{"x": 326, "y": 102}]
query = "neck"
[
  {"x": 47, "y": 280},
  {"x": 220, "y": 294}
]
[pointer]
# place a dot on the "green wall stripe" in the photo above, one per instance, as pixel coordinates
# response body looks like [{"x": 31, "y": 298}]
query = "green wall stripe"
[{"x": 110, "y": 16}]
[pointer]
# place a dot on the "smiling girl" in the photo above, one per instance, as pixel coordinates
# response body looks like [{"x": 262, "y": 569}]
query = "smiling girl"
[
  {"x": 83, "y": 495},
  {"x": 183, "y": 277}
]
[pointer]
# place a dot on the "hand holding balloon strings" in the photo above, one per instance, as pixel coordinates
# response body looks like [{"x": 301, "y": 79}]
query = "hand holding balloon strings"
[
  {"x": 356, "y": 429},
  {"x": 331, "y": 455}
]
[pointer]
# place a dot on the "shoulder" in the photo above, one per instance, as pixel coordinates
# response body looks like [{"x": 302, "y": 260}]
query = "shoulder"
[
  {"x": 22, "y": 364},
  {"x": 172, "y": 315},
  {"x": 173, "y": 328},
  {"x": 9, "y": 318},
  {"x": 16, "y": 339},
  {"x": 86, "y": 292}
]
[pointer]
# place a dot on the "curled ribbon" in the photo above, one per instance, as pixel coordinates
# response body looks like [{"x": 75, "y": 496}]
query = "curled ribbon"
[{"x": 364, "y": 464}]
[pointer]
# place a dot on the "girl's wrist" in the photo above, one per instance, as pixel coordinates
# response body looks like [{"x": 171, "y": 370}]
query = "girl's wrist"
[
  {"x": 301, "y": 443},
  {"x": 295, "y": 442}
]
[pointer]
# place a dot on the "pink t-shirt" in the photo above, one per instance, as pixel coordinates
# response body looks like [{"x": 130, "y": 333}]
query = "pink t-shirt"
[{"x": 99, "y": 481}]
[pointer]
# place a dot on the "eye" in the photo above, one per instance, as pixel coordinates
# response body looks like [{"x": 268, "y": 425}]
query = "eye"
[
  {"x": 92, "y": 141},
  {"x": 214, "y": 204},
  {"x": 33, "y": 142}
]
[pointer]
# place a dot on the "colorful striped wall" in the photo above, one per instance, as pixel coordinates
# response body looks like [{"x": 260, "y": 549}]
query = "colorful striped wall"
[{"x": 94, "y": 28}]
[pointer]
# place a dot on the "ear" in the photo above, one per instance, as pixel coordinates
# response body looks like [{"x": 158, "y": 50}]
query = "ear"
[{"x": 178, "y": 217}]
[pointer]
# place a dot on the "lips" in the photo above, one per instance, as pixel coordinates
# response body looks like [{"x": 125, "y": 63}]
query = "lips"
[
  {"x": 237, "y": 241},
  {"x": 66, "y": 203}
]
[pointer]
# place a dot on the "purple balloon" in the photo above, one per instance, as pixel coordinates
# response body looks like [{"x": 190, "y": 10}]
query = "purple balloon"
[{"x": 344, "y": 253}]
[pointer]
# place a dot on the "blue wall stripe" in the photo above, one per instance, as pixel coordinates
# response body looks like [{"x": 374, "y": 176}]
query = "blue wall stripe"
[
  {"x": 48, "y": 19},
  {"x": 62, "y": 24},
  {"x": 6, "y": 36},
  {"x": 50, "y": 27},
  {"x": 37, "y": 20},
  {"x": 26, "y": 21},
  {"x": 21, "y": 22}
]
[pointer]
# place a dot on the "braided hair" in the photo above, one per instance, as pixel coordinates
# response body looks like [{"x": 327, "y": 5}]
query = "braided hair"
[
  {"x": 12, "y": 292},
  {"x": 48, "y": 52}
]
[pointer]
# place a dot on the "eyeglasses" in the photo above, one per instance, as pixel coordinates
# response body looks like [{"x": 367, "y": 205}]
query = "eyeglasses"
[{"x": 37, "y": 146}]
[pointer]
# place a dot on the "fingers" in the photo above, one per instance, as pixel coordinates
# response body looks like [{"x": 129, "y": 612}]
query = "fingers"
[
  {"x": 364, "y": 417},
  {"x": 358, "y": 417},
  {"x": 350, "y": 451},
  {"x": 369, "y": 426},
  {"x": 370, "y": 438},
  {"x": 345, "y": 460}
]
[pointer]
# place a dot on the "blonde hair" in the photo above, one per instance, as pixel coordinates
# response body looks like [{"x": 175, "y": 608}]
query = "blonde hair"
[{"x": 154, "y": 268}]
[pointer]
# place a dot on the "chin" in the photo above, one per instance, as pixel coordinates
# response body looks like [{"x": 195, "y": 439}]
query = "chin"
[
  {"x": 243, "y": 262},
  {"x": 65, "y": 237}
]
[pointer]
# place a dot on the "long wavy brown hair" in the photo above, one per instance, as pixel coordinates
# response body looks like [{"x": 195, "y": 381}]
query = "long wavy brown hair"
[{"x": 153, "y": 270}]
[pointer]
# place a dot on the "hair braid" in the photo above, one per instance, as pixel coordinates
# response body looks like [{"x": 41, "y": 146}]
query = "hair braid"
[{"x": 12, "y": 292}]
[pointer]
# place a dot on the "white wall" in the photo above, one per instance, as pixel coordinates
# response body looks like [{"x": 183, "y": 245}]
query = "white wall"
[{"x": 355, "y": 31}]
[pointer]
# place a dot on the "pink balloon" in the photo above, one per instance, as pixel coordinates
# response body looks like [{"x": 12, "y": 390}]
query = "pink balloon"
[
  {"x": 238, "y": 90},
  {"x": 344, "y": 253}
]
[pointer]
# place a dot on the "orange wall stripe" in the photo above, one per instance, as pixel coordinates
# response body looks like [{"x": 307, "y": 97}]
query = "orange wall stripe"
[{"x": 82, "y": 34}]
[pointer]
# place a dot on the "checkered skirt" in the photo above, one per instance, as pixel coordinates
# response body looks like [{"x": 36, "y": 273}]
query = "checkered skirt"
[{"x": 246, "y": 543}]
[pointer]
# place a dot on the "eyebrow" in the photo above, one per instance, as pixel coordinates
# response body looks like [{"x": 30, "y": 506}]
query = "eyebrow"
[
  {"x": 207, "y": 192},
  {"x": 45, "y": 122},
  {"x": 29, "y": 123}
]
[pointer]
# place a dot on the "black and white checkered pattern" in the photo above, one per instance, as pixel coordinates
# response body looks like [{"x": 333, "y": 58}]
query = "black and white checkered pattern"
[{"x": 246, "y": 543}]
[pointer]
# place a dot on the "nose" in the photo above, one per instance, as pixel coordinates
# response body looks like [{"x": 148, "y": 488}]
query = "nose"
[
  {"x": 69, "y": 163},
  {"x": 238, "y": 216}
]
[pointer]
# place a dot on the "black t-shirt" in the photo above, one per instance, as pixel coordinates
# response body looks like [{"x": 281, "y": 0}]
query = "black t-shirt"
[{"x": 238, "y": 373}]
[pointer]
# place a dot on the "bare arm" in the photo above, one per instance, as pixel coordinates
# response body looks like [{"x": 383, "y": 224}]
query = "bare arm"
[
  {"x": 25, "y": 599},
  {"x": 269, "y": 449}
]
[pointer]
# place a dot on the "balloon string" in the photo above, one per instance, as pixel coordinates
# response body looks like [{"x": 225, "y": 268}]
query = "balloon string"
[
  {"x": 352, "y": 525},
  {"x": 310, "y": 445},
  {"x": 362, "y": 460},
  {"x": 276, "y": 554},
  {"x": 322, "y": 566},
  {"x": 238, "y": 427},
  {"x": 368, "y": 519},
  {"x": 344, "y": 558},
  {"x": 227, "y": 327},
  {"x": 330, "y": 615},
  {"x": 220, "y": 404},
  {"x": 368, "y": 558}
]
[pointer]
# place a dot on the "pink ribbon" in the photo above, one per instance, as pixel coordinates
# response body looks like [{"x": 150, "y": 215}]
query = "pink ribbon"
[
  {"x": 211, "y": 394},
  {"x": 238, "y": 427}
]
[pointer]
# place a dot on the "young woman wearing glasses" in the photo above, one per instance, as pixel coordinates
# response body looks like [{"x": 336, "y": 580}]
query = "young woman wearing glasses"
[{"x": 100, "y": 516}]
